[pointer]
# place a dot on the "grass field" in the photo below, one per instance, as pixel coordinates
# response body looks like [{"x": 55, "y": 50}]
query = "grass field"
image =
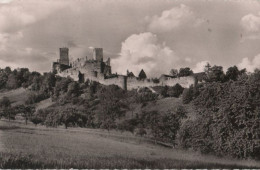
[
  {"x": 17, "y": 96},
  {"x": 39, "y": 147}
]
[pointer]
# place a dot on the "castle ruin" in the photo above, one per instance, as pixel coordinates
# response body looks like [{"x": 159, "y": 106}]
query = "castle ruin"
[{"x": 96, "y": 69}]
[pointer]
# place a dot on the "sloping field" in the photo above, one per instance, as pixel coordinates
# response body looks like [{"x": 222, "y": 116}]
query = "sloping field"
[
  {"x": 44, "y": 103},
  {"x": 17, "y": 96},
  {"x": 89, "y": 148},
  {"x": 161, "y": 105}
]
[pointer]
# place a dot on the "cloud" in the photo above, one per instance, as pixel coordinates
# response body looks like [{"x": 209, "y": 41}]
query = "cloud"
[
  {"x": 250, "y": 65},
  {"x": 200, "y": 66},
  {"x": 12, "y": 18},
  {"x": 5, "y": 1},
  {"x": 144, "y": 51},
  {"x": 188, "y": 59},
  {"x": 16, "y": 15},
  {"x": 250, "y": 23},
  {"x": 17, "y": 18},
  {"x": 173, "y": 18},
  {"x": 7, "y": 39}
]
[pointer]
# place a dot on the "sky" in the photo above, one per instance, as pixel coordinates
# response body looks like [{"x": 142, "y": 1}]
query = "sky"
[{"x": 154, "y": 35}]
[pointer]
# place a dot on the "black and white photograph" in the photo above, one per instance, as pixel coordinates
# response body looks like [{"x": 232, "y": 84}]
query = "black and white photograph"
[{"x": 129, "y": 84}]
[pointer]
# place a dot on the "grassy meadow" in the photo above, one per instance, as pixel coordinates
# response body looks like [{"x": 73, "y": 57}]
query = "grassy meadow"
[{"x": 40, "y": 147}]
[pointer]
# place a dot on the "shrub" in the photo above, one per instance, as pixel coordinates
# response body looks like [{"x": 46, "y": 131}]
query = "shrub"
[
  {"x": 35, "y": 97},
  {"x": 187, "y": 95},
  {"x": 175, "y": 91}
]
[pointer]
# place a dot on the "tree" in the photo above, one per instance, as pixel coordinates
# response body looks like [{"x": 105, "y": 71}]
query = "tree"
[
  {"x": 26, "y": 111},
  {"x": 61, "y": 86},
  {"x": 12, "y": 82},
  {"x": 207, "y": 67},
  {"x": 232, "y": 73},
  {"x": 7, "y": 70},
  {"x": 5, "y": 105},
  {"x": 72, "y": 116},
  {"x": 3, "y": 79},
  {"x": 185, "y": 72},
  {"x": 174, "y": 72},
  {"x": 187, "y": 95},
  {"x": 216, "y": 74},
  {"x": 112, "y": 105},
  {"x": 156, "y": 80},
  {"x": 48, "y": 82},
  {"x": 38, "y": 117},
  {"x": 142, "y": 75},
  {"x": 175, "y": 91},
  {"x": 73, "y": 89}
]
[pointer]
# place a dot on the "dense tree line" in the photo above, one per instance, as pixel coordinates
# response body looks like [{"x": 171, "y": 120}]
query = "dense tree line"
[{"x": 228, "y": 116}]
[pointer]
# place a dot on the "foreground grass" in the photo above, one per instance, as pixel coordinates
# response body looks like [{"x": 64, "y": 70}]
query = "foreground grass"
[
  {"x": 4, "y": 127},
  {"x": 29, "y": 147},
  {"x": 27, "y": 161}
]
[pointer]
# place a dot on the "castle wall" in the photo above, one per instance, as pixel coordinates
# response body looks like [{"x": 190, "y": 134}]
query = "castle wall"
[
  {"x": 124, "y": 82},
  {"x": 118, "y": 80},
  {"x": 79, "y": 62},
  {"x": 91, "y": 71},
  {"x": 72, "y": 73},
  {"x": 134, "y": 83},
  {"x": 183, "y": 81}
]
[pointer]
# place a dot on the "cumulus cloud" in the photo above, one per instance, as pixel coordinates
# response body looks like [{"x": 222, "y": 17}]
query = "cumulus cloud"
[
  {"x": 15, "y": 16},
  {"x": 144, "y": 51},
  {"x": 251, "y": 22},
  {"x": 200, "y": 66},
  {"x": 250, "y": 65},
  {"x": 173, "y": 18},
  {"x": 5, "y": 1}
]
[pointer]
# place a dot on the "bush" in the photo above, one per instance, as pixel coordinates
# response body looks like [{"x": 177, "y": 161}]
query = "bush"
[
  {"x": 187, "y": 95},
  {"x": 146, "y": 97},
  {"x": 175, "y": 91},
  {"x": 39, "y": 116},
  {"x": 35, "y": 97}
]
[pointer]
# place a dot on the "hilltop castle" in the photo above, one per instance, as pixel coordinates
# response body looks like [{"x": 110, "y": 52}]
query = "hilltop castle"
[{"x": 95, "y": 69}]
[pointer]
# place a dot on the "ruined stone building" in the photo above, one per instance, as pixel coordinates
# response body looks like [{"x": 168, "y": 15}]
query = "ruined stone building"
[{"x": 96, "y": 69}]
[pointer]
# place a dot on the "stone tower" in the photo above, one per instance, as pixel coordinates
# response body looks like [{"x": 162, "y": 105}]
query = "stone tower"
[
  {"x": 64, "y": 56},
  {"x": 98, "y": 54}
]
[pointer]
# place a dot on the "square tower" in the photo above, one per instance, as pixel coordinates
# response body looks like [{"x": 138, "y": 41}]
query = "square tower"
[
  {"x": 98, "y": 54},
  {"x": 64, "y": 56}
]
